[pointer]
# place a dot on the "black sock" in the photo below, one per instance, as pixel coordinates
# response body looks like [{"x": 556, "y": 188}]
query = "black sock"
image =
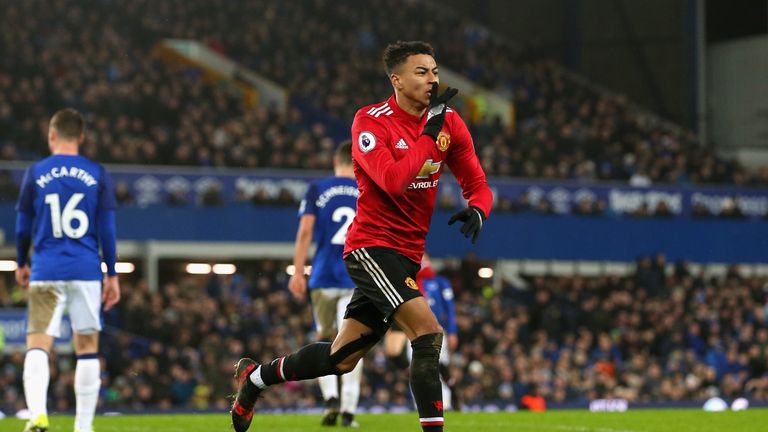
[
  {"x": 425, "y": 381},
  {"x": 310, "y": 361}
]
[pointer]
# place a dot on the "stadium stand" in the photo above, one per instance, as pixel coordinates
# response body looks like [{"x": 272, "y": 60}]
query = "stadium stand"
[
  {"x": 141, "y": 110},
  {"x": 146, "y": 111}
]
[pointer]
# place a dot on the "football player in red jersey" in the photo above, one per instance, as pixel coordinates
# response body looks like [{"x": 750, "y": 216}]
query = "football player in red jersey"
[{"x": 400, "y": 148}]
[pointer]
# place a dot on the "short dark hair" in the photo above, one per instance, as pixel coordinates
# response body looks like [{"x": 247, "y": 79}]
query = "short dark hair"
[
  {"x": 397, "y": 53},
  {"x": 69, "y": 123},
  {"x": 344, "y": 152}
]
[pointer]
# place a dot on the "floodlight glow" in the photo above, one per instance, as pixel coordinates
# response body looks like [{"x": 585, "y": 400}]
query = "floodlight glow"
[
  {"x": 198, "y": 268},
  {"x": 224, "y": 269},
  {"x": 291, "y": 269},
  {"x": 485, "y": 272},
  {"x": 120, "y": 267},
  {"x": 8, "y": 265}
]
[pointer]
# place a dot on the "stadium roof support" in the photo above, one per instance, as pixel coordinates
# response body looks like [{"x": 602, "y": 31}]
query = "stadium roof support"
[{"x": 256, "y": 88}]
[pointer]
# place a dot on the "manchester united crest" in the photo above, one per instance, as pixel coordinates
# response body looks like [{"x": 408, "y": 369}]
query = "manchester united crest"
[
  {"x": 411, "y": 283},
  {"x": 443, "y": 141}
]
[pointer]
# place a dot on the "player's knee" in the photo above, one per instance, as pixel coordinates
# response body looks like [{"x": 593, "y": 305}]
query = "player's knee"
[
  {"x": 427, "y": 345},
  {"x": 344, "y": 362},
  {"x": 429, "y": 329},
  {"x": 86, "y": 343},
  {"x": 347, "y": 365},
  {"x": 345, "y": 358}
]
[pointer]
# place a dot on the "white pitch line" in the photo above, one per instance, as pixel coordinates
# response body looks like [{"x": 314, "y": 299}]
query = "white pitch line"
[
  {"x": 564, "y": 427},
  {"x": 588, "y": 429},
  {"x": 543, "y": 427}
]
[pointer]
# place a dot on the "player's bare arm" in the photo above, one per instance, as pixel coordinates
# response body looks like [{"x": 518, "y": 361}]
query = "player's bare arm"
[{"x": 297, "y": 284}]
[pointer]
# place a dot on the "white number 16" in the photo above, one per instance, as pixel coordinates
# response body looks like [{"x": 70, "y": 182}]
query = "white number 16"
[{"x": 62, "y": 221}]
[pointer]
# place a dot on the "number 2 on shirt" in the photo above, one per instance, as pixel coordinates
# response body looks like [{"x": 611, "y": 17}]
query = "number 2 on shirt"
[{"x": 346, "y": 214}]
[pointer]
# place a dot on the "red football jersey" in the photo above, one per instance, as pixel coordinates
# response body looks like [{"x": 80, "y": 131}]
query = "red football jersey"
[{"x": 398, "y": 170}]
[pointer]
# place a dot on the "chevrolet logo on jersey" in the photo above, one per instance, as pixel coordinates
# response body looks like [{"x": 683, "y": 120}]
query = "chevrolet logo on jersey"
[{"x": 429, "y": 168}]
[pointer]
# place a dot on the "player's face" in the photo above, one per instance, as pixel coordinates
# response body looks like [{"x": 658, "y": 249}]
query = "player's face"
[{"x": 414, "y": 78}]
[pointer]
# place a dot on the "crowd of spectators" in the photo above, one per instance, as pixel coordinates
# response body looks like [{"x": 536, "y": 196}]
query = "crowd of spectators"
[
  {"x": 139, "y": 109},
  {"x": 564, "y": 129},
  {"x": 96, "y": 56},
  {"x": 657, "y": 335}
]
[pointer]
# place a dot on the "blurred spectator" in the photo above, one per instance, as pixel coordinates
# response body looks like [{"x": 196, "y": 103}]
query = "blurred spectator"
[
  {"x": 123, "y": 194},
  {"x": 533, "y": 401},
  {"x": 730, "y": 209},
  {"x": 177, "y": 198},
  {"x": 663, "y": 210},
  {"x": 641, "y": 211},
  {"x": 640, "y": 179},
  {"x": 700, "y": 210},
  {"x": 543, "y": 206},
  {"x": 590, "y": 207},
  {"x": 211, "y": 196}
]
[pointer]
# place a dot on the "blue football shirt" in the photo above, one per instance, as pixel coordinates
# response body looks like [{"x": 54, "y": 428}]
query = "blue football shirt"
[
  {"x": 439, "y": 294},
  {"x": 333, "y": 202},
  {"x": 65, "y": 195}
]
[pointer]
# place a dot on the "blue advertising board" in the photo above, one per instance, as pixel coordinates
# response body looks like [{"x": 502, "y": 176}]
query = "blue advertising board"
[
  {"x": 563, "y": 197},
  {"x": 156, "y": 186},
  {"x": 523, "y": 235},
  {"x": 511, "y": 236},
  {"x": 14, "y": 331}
]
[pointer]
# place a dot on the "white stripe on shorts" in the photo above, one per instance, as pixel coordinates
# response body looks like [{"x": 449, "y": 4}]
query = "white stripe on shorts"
[
  {"x": 376, "y": 268},
  {"x": 380, "y": 281}
]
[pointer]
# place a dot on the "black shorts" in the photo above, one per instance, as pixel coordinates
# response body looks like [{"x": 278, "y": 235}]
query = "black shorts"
[{"x": 384, "y": 280}]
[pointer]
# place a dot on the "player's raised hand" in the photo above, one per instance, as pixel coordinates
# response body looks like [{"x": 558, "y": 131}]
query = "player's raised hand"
[
  {"x": 22, "y": 275},
  {"x": 436, "y": 113},
  {"x": 297, "y": 284},
  {"x": 111, "y": 293}
]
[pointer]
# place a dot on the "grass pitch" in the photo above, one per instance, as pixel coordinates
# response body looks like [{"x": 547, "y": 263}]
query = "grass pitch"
[{"x": 677, "y": 420}]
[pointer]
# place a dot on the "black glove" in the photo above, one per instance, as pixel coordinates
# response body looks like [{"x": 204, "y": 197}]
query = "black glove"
[
  {"x": 473, "y": 219},
  {"x": 436, "y": 113}
]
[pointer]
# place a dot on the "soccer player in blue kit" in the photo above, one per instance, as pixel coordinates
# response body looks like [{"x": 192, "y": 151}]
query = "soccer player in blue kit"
[
  {"x": 327, "y": 211},
  {"x": 66, "y": 206}
]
